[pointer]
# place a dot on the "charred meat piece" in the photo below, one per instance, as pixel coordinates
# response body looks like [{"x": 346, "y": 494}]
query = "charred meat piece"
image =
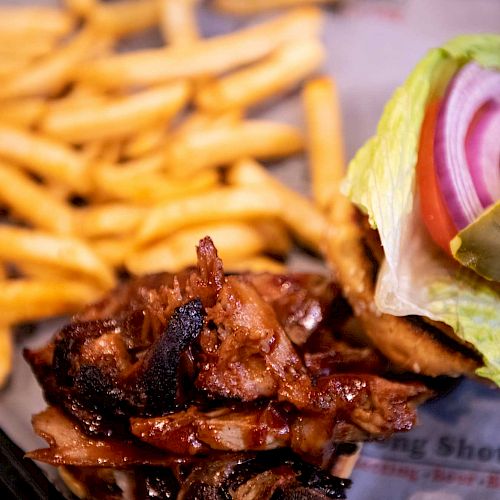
[{"x": 156, "y": 376}]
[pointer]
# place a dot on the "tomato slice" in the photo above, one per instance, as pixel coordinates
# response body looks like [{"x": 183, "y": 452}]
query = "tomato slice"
[{"x": 432, "y": 205}]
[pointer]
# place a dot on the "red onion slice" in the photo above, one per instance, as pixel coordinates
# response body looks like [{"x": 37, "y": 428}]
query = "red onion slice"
[
  {"x": 471, "y": 88},
  {"x": 482, "y": 147}
]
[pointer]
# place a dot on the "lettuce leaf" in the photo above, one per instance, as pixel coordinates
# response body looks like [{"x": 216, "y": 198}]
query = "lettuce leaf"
[{"x": 417, "y": 278}]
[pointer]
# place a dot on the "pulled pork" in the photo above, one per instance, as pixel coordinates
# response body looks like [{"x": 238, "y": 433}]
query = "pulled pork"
[{"x": 214, "y": 386}]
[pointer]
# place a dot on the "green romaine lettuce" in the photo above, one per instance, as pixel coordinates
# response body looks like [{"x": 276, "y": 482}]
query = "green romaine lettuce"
[{"x": 416, "y": 277}]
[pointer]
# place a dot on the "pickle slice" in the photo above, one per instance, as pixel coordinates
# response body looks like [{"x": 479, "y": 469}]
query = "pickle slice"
[{"x": 477, "y": 246}]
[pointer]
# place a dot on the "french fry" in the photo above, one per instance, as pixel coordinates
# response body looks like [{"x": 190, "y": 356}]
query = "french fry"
[
  {"x": 26, "y": 46},
  {"x": 47, "y": 272},
  {"x": 197, "y": 122},
  {"x": 275, "y": 234},
  {"x": 108, "y": 219},
  {"x": 132, "y": 185},
  {"x": 117, "y": 118},
  {"x": 110, "y": 152},
  {"x": 27, "y": 245},
  {"x": 223, "y": 145},
  {"x": 81, "y": 8},
  {"x": 80, "y": 97},
  {"x": 325, "y": 146},
  {"x": 76, "y": 486},
  {"x": 6, "y": 348},
  {"x": 178, "y": 21},
  {"x": 297, "y": 212},
  {"x": 124, "y": 17},
  {"x": 256, "y": 264},
  {"x": 113, "y": 251},
  {"x": 146, "y": 141},
  {"x": 25, "y": 21},
  {"x": 246, "y": 7},
  {"x": 32, "y": 202},
  {"x": 279, "y": 72},
  {"x": 24, "y": 112},
  {"x": 29, "y": 300},
  {"x": 130, "y": 170},
  {"x": 44, "y": 157},
  {"x": 234, "y": 240},
  {"x": 10, "y": 65},
  {"x": 221, "y": 204},
  {"x": 49, "y": 74},
  {"x": 204, "y": 58},
  {"x": 91, "y": 152}
]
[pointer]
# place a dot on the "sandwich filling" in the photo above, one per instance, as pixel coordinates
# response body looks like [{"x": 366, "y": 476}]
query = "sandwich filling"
[{"x": 212, "y": 381}]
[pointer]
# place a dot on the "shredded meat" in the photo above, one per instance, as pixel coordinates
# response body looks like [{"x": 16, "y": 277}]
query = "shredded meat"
[
  {"x": 70, "y": 446},
  {"x": 170, "y": 370}
]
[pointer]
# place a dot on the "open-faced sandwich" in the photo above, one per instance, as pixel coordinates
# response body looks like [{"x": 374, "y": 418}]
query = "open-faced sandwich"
[{"x": 206, "y": 385}]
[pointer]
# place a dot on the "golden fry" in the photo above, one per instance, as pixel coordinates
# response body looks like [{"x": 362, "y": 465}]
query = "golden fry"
[
  {"x": 297, "y": 212},
  {"x": 113, "y": 251},
  {"x": 246, "y": 7},
  {"x": 6, "y": 348},
  {"x": 223, "y": 145},
  {"x": 24, "y": 112},
  {"x": 146, "y": 141},
  {"x": 29, "y": 300},
  {"x": 178, "y": 21},
  {"x": 108, "y": 219},
  {"x": 275, "y": 234},
  {"x": 130, "y": 170},
  {"x": 325, "y": 143},
  {"x": 217, "y": 205},
  {"x": 44, "y": 157},
  {"x": 27, "y": 245},
  {"x": 234, "y": 240},
  {"x": 117, "y": 118},
  {"x": 47, "y": 272},
  {"x": 198, "y": 122},
  {"x": 111, "y": 152},
  {"x": 124, "y": 17},
  {"x": 49, "y": 74},
  {"x": 26, "y": 46},
  {"x": 255, "y": 264},
  {"x": 80, "y": 97},
  {"x": 76, "y": 486},
  {"x": 279, "y": 72},
  {"x": 25, "y": 21},
  {"x": 32, "y": 202},
  {"x": 212, "y": 56},
  {"x": 81, "y": 8},
  {"x": 141, "y": 184},
  {"x": 10, "y": 65}
]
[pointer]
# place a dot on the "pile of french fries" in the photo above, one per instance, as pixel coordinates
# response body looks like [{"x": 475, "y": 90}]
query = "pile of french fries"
[{"x": 114, "y": 161}]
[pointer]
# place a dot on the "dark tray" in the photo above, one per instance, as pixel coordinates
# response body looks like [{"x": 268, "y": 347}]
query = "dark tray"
[{"x": 20, "y": 478}]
